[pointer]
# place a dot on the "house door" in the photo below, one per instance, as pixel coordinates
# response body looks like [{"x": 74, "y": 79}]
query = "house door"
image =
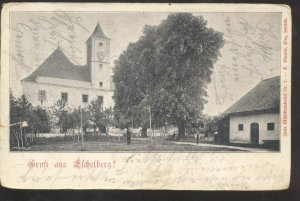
[{"x": 254, "y": 132}]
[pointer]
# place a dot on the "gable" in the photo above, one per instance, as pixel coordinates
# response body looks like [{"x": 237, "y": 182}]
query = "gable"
[{"x": 57, "y": 65}]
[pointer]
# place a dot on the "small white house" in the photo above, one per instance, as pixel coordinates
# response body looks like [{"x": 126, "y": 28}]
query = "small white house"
[{"x": 255, "y": 118}]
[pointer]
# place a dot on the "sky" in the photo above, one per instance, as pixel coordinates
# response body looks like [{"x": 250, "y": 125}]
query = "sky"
[{"x": 251, "y": 52}]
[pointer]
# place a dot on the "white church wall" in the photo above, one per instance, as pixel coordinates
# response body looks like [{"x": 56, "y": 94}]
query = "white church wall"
[
  {"x": 53, "y": 94},
  {"x": 65, "y": 82},
  {"x": 262, "y": 119}
]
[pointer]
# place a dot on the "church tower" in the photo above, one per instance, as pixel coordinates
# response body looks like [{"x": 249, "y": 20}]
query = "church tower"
[{"x": 98, "y": 59}]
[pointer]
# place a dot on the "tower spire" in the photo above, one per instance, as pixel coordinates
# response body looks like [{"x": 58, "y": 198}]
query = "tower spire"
[{"x": 98, "y": 31}]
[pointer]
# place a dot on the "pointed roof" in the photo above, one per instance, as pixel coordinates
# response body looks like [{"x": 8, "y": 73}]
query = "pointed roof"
[
  {"x": 98, "y": 32},
  {"x": 265, "y": 95},
  {"x": 57, "y": 65}
]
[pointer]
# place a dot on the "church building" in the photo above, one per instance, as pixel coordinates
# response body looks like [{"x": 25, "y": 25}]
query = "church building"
[{"x": 58, "y": 78}]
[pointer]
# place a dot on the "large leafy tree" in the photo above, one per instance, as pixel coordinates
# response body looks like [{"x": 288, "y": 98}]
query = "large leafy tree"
[
  {"x": 21, "y": 110},
  {"x": 99, "y": 116},
  {"x": 38, "y": 121},
  {"x": 14, "y": 112},
  {"x": 14, "y": 115},
  {"x": 168, "y": 70},
  {"x": 132, "y": 80},
  {"x": 24, "y": 108},
  {"x": 107, "y": 118},
  {"x": 60, "y": 115}
]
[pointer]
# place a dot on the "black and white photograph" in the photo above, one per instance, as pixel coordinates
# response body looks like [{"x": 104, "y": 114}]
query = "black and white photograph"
[
  {"x": 145, "y": 96},
  {"x": 144, "y": 81}
]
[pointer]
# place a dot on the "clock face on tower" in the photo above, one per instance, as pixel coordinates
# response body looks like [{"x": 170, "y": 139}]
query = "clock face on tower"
[{"x": 100, "y": 55}]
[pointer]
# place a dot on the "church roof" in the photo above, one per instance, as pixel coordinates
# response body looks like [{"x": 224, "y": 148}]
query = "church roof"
[
  {"x": 98, "y": 32},
  {"x": 57, "y": 65},
  {"x": 265, "y": 95}
]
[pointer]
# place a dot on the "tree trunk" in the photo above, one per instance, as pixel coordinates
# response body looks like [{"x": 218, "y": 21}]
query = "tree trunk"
[
  {"x": 181, "y": 129},
  {"x": 17, "y": 138},
  {"x": 164, "y": 132},
  {"x": 21, "y": 136},
  {"x": 128, "y": 136},
  {"x": 78, "y": 134},
  {"x": 144, "y": 132},
  {"x": 106, "y": 130}
]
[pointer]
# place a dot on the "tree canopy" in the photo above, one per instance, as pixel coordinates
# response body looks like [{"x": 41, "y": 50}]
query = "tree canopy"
[
  {"x": 21, "y": 110},
  {"x": 168, "y": 70},
  {"x": 100, "y": 117}
]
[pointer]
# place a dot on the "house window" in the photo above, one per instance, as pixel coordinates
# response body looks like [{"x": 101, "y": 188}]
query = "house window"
[
  {"x": 271, "y": 126},
  {"x": 64, "y": 97},
  {"x": 100, "y": 98},
  {"x": 100, "y": 65},
  {"x": 100, "y": 84},
  {"x": 241, "y": 127},
  {"x": 42, "y": 96},
  {"x": 84, "y": 98}
]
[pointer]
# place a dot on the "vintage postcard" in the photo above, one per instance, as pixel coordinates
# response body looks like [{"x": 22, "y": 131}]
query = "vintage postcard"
[{"x": 145, "y": 96}]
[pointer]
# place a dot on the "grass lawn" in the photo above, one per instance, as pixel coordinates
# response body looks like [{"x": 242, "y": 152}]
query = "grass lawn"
[{"x": 111, "y": 144}]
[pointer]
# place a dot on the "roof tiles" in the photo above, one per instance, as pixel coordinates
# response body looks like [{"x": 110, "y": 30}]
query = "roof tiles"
[
  {"x": 57, "y": 65},
  {"x": 98, "y": 32},
  {"x": 265, "y": 95}
]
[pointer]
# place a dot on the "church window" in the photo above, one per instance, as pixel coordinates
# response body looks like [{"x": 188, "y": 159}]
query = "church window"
[
  {"x": 271, "y": 126},
  {"x": 64, "y": 97},
  {"x": 84, "y": 98},
  {"x": 100, "y": 84},
  {"x": 42, "y": 96},
  {"x": 100, "y": 98}
]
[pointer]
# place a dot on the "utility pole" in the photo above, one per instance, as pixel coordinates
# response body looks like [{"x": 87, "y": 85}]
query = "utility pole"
[
  {"x": 81, "y": 129},
  {"x": 21, "y": 134},
  {"x": 78, "y": 133},
  {"x": 150, "y": 126}
]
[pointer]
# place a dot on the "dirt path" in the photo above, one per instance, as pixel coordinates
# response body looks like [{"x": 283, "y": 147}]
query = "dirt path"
[{"x": 226, "y": 146}]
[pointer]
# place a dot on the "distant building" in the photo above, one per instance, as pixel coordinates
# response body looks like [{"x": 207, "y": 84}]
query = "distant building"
[
  {"x": 255, "y": 118},
  {"x": 58, "y": 78}
]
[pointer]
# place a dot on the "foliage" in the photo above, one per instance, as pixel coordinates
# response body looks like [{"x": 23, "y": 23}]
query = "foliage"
[
  {"x": 38, "y": 121},
  {"x": 41, "y": 120},
  {"x": 167, "y": 70},
  {"x": 96, "y": 109},
  {"x": 21, "y": 110},
  {"x": 211, "y": 123},
  {"x": 107, "y": 117},
  {"x": 120, "y": 121},
  {"x": 14, "y": 110},
  {"x": 60, "y": 115},
  {"x": 84, "y": 115}
]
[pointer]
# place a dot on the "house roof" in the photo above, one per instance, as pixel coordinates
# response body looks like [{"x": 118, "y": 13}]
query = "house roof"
[
  {"x": 265, "y": 95},
  {"x": 57, "y": 65}
]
